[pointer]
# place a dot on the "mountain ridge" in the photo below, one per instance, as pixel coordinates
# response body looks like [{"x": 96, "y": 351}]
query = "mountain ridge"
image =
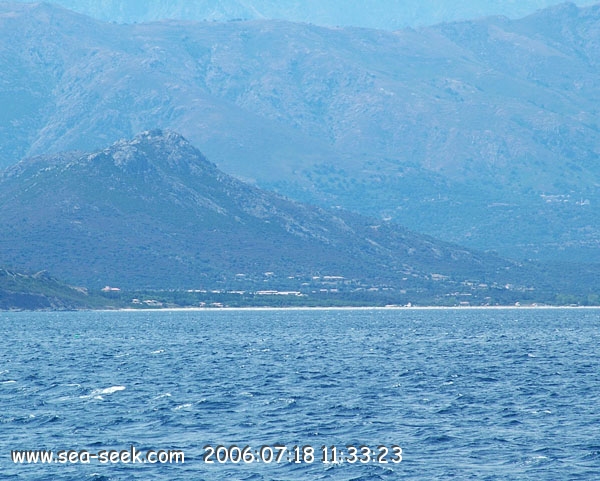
[{"x": 380, "y": 14}]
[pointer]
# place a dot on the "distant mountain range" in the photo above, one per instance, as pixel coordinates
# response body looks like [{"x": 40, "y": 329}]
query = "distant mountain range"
[
  {"x": 380, "y": 14},
  {"x": 484, "y": 133}
]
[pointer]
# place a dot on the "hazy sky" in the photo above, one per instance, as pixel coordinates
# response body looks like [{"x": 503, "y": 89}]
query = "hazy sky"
[{"x": 387, "y": 14}]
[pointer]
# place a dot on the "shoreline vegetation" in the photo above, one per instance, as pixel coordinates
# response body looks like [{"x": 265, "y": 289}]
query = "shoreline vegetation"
[
  {"x": 313, "y": 308},
  {"x": 94, "y": 301},
  {"x": 388, "y": 299},
  {"x": 351, "y": 308},
  {"x": 41, "y": 292}
]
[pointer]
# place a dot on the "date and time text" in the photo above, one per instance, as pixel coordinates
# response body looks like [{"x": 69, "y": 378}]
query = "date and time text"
[{"x": 280, "y": 453}]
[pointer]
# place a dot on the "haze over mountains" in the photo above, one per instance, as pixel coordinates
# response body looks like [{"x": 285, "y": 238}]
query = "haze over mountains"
[
  {"x": 484, "y": 133},
  {"x": 380, "y": 14}
]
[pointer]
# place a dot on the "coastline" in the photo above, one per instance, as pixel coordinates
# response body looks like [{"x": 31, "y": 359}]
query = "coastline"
[
  {"x": 347, "y": 308},
  {"x": 313, "y": 308}
]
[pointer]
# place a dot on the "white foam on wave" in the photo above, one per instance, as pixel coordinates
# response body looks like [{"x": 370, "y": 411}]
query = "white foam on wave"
[
  {"x": 10, "y": 381},
  {"x": 98, "y": 393},
  {"x": 110, "y": 390},
  {"x": 539, "y": 459}
]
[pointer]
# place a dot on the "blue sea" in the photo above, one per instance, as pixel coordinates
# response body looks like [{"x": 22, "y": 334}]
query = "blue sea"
[{"x": 498, "y": 394}]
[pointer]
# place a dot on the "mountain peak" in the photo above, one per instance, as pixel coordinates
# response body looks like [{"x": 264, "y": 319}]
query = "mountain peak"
[
  {"x": 561, "y": 14},
  {"x": 155, "y": 139},
  {"x": 152, "y": 149},
  {"x": 565, "y": 8},
  {"x": 160, "y": 136}
]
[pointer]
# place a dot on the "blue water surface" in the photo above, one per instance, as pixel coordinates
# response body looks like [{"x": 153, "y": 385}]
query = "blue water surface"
[{"x": 510, "y": 394}]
